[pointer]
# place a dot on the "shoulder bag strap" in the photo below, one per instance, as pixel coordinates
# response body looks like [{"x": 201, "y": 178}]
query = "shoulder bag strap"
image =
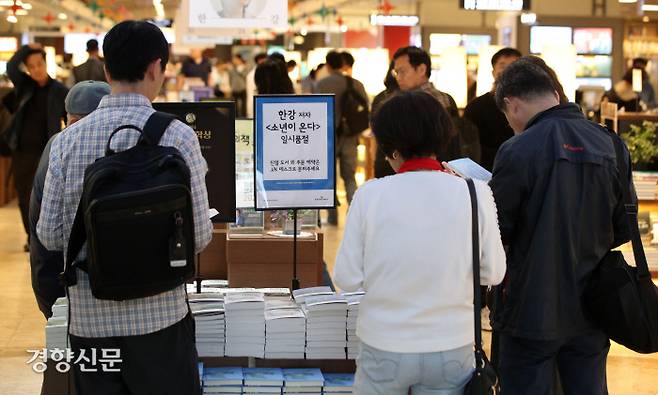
[
  {"x": 631, "y": 209},
  {"x": 155, "y": 127},
  {"x": 477, "y": 297}
]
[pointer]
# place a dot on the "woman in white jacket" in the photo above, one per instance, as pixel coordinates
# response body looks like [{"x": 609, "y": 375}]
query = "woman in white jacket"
[{"x": 407, "y": 243}]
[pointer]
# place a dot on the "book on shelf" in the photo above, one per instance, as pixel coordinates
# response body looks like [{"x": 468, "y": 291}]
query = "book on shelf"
[
  {"x": 223, "y": 376},
  {"x": 338, "y": 382},
  {"x": 300, "y": 295},
  {"x": 263, "y": 377},
  {"x": 303, "y": 377}
]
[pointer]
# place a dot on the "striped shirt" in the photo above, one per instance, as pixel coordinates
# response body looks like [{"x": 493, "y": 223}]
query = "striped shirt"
[{"x": 75, "y": 149}]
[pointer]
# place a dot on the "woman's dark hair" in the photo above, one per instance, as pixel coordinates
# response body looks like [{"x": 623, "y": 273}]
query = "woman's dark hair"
[
  {"x": 390, "y": 82},
  {"x": 414, "y": 124},
  {"x": 130, "y": 46},
  {"x": 272, "y": 78}
]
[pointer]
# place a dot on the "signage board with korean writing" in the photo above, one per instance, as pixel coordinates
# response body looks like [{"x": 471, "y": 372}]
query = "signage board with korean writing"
[
  {"x": 238, "y": 13},
  {"x": 495, "y": 5},
  {"x": 294, "y": 151},
  {"x": 214, "y": 125},
  {"x": 244, "y": 163}
]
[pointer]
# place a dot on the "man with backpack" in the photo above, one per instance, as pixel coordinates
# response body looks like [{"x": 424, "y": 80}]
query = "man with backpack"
[
  {"x": 150, "y": 338},
  {"x": 351, "y": 118}
]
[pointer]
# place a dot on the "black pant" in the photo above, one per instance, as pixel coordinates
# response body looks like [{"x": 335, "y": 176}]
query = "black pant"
[
  {"x": 528, "y": 366},
  {"x": 24, "y": 166},
  {"x": 163, "y": 362}
]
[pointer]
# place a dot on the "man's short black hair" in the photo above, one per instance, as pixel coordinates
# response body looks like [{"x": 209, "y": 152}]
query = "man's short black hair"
[
  {"x": 348, "y": 59},
  {"x": 278, "y": 56},
  {"x": 417, "y": 56},
  {"x": 640, "y": 63},
  {"x": 130, "y": 46},
  {"x": 260, "y": 57},
  {"x": 523, "y": 79},
  {"x": 414, "y": 124},
  {"x": 335, "y": 60},
  {"x": 92, "y": 45},
  {"x": 505, "y": 53},
  {"x": 34, "y": 51}
]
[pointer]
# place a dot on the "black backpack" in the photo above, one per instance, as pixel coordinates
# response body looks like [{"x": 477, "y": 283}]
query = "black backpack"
[
  {"x": 136, "y": 215},
  {"x": 354, "y": 111}
]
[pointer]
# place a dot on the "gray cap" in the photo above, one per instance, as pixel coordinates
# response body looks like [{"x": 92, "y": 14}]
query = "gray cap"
[{"x": 85, "y": 96}]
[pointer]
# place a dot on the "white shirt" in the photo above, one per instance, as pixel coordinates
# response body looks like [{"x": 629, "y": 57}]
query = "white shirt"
[{"x": 407, "y": 243}]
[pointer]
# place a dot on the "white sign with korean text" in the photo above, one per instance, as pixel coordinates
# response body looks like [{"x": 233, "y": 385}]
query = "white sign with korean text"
[{"x": 294, "y": 151}]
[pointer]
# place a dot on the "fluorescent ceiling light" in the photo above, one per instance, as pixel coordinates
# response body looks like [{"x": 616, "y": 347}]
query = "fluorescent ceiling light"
[
  {"x": 12, "y": 19},
  {"x": 393, "y": 20},
  {"x": 628, "y": 1},
  {"x": 649, "y": 7},
  {"x": 62, "y": 16}
]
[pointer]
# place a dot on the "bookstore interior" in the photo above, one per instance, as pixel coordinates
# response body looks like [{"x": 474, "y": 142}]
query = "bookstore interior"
[{"x": 268, "y": 317}]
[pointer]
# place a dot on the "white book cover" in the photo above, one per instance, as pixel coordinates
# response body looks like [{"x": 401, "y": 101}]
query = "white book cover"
[
  {"x": 286, "y": 313},
  {"x": 301, "y": 294},
  {"x": 466, "y": 167},
  {"x": 275, "y": 304}
]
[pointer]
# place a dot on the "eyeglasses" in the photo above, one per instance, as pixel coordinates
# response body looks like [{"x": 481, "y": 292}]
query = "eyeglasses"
[{"x": 400, "y": 73}]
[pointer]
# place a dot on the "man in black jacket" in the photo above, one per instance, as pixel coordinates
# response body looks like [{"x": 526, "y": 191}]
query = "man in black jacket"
[
  {"x": 82, "y": 99},
  {"x": 38, "y": 115},
  {"x": 560, "y": 210}
]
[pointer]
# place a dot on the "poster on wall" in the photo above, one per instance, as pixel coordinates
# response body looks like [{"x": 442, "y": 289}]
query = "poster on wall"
[
  {"x": 294, "y": 152},
  {"x": 238, "y": 13},
  {"x": 214, "y": 125}
]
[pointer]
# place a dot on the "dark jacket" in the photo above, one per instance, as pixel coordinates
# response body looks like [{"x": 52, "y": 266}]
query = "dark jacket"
[
  {"x": 560, "y": 210},
  {"x": 24, "y": 87},
  {"x": 45, "y": 265},
  {"x": 92, "y": 70}
]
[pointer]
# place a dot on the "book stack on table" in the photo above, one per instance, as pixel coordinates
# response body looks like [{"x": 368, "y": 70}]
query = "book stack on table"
[
  {"x": 225, "y": 380},
  {"x": 208, "y": 312},
  {"x": 353, "y": 303},
  {"x": 262, "y": 381},
  {"x": 326, "y": 320},
  {"x": 302, "y": 381},
  {"x": 285, "y": 330},
  {"x": 245, "y": 324},
  {"x": 338, "y": 383}
]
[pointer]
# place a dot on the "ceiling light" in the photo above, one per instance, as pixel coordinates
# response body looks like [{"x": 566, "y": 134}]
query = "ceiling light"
[
  {"x": 303, "y": 32},
  {"x": 393, "y": 20},
  {"x": 649, "y": 7},
  {"x": 528, "y": 18},
  {"x": 645, "y": 19},
  {"x": 21, "y": 12},
  {"x": 12, "y": 19},
  {"x": 27, "y": 6},
  {"x": 62, "y": 16},
  {"x": 343, "y": 28},
  {"x": 628, "y": 1}
]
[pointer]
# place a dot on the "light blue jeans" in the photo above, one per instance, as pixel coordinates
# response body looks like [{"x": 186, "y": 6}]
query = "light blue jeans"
[{"x": 388, "y": 373}]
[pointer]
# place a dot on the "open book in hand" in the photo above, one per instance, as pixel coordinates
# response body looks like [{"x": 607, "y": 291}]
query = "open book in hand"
[{"x": 466, "y": 167}]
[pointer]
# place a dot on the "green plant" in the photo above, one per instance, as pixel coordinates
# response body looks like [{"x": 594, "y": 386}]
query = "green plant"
[{"x": 641, "y": 142}]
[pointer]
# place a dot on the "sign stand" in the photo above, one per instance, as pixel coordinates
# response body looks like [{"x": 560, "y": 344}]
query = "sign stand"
[
  {"x": 294, "y": 157},
  {"x": 295, "y": 279}
]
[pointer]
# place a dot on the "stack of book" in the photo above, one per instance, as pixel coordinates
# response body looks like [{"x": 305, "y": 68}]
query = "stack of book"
[
  {"x": 326, "y": 320},
  {"x": 302, "y": 381},
  {"x": 226, "y": 380},
  {"x": 353, "y": 303},
  {"x": 208, "y": 312},
  {"x": 338, "y": 383},
  {"x": 57, "y": 325},
  {"x": 285, "y": 330},
  {"x": 645, "y": 185},
  {"x": 275, "y": 293},
  {"x": 262, "y": 381},
  {"x": 245, "y": 324},
  {"x": 301, "y": 294}
]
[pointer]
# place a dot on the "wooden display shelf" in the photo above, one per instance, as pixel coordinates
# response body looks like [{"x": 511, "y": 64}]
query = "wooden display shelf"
[{"x": 266, "y": 261}]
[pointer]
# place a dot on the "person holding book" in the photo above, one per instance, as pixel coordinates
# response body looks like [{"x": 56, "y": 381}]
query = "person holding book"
[{"x": 416, "y": 268}]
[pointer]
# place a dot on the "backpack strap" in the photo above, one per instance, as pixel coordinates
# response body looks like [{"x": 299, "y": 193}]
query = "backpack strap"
[
  {"x": 153, "y": 130},
  {"x": 155, "y": 127}
]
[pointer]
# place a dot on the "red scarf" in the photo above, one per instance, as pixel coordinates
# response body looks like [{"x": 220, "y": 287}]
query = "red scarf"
[{"x": 420, "y": 164}]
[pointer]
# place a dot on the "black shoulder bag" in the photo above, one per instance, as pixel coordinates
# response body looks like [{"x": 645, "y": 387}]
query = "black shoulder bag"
[
  {"x": 621, "y": 299},
  {"x": 484, "y": 380}
]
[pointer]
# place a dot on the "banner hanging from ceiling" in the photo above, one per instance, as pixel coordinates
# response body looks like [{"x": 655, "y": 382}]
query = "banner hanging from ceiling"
[{"x": 238, "y": 13}]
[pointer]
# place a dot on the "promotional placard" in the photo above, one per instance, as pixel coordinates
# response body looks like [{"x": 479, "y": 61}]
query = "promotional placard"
[
  {"x": 244, "y": 163},
  {"x": 294, "y": 151},
  {"x": 214, "y": 124}
]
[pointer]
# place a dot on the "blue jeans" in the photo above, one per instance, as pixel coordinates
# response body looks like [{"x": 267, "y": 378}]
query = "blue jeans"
[{"x": 388, "y": 373}]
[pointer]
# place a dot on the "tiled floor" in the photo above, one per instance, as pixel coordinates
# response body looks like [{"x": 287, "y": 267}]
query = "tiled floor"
[{"x": 21, "y": 323}]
